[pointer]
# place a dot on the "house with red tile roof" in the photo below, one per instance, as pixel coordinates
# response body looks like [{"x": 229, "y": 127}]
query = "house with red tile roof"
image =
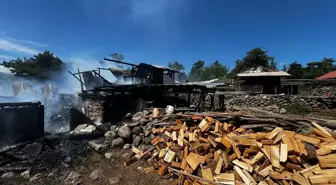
[{"x": 331, "y": 75}]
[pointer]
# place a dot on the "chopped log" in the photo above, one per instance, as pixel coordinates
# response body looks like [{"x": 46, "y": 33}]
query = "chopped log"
[
  {"x": 283, "y": 152},
  {"x": 243, "y": 165}
]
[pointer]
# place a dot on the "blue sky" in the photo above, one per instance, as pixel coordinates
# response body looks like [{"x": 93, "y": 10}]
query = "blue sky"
[{"x": 159, "y": 31}]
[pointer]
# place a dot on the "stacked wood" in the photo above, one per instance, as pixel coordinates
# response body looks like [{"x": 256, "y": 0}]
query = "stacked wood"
[{"x": 215, "y": 152}]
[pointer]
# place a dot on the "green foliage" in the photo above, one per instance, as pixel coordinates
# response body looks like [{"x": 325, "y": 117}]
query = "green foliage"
[
  {"x": 40, "y": 65},
  {"x": 254, "y": 58},
  {"x": 200, "y": 72},
  {"x": 176, "y": 66},
  {"x": 312, "y": 70}
]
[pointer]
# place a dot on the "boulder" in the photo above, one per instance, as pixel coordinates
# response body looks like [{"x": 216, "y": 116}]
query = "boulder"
[
  {"x": 88, "y": 129},
  {"x": 36, "y": 177},
  {"x": 7, "y": 175},
  {"x": 108, "y": 155},
  {"x": 137, "y": 130},
  {"x": 111, "y": 134},
  {"x": 137, "y": 116},
  {"x": 114, "y": 180},
  {"x": 25, "y": 174},
  {"x": 78, "y": 129},
  {"x": 117, "y": 142},
  {"x": 96, "y": 174},
  {"x": 73, "y": 178},
  {"x": 137, "y": 141},
  {"x": 98, "y": 147},
  {"x": 114, "y": 128},
  {"x": 127, "y": 146},
  {"x": 282, "y": 111},
  {"x": 124, "y": 132}
]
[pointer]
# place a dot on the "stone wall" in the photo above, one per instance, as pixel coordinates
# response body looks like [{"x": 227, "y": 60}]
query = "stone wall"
[
  {"x": 94, "y": 109},
  {"x": 278, "y": 103},
  {"x": 317, "y": 90}
]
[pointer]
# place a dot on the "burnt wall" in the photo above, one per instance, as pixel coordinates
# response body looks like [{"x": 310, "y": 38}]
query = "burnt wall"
[{"x": 20, "y": 122}]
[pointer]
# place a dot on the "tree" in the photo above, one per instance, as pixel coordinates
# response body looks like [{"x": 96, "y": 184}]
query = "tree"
[
  {"x": 117, "y": 56},
  {"x": 176, "y": 66},
  {"x": 215, "y": 70},
  {"x": 295, "y": 70},
  {"x": 40, "y": 65},
  {"x": 196, "y": 70},
  {"x": 254, "y": 58}
]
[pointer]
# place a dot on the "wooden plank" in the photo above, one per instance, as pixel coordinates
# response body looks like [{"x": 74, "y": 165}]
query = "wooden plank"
[
  {"x": 288, "y": 142},
  {"x": 174, "y": 136},
  {"x": 207, "y": 174},
  {"x": 321, "y": 129},
  {"x": 267, "y": 151},
  {"x": 243, "y": 165},
  {"x": 162, "y": 170},
  {"x": 302, "y": 148},
  {"x": 247, "y": 142},
  {"x": 323, "y": 179},
  {"x": 262, "y": 183},
  {"x": 204, "y": 125},
  {"x": 265, "y": 172},
  {"x": 226, "y": 159},
  {"x": 275, "y": 155},
  {"x": 219, "y": 165},
  {"x": 257, "y": 158},
  {"x": 170, "y": 156},
  {"x": 283, "y": 152},
  {"x": 248, "y": 175},
  {"x": 281, "y": 176},
  {"x": 236, "y": 150},
  {"x": 323, "y": 151},
  {"x": 274, "y": 133},
  {"x": 194, "y": 160},
  {"x": 300, "y": 179},
  {"x": 214, "y": 144},
  {"x": 320, "y": 133},
  {"x": 307, "y": 139},
  {"x": 242, "y": 175},
  {"x": 328, "y": 161},
  {"x": 216, "y": 127},
  {"x": 293, "y": 166},
  {"x": 226, "y": 142}
]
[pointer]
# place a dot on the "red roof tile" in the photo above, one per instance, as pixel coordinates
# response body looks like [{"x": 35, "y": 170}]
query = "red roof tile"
[{"x": 330, "y": 75}]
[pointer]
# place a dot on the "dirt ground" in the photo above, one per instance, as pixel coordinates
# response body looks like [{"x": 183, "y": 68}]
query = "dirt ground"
[{"x": 85, "y": 164}]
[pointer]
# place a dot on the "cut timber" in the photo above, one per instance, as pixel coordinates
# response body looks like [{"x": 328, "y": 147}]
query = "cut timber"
[
  {"x": 281, "y": 176},
  {"x": 248, "y": 175},
  {"x": 275, "y": 155},
  {"x": 194, "y": 160},
  {"x": 216, "y": 127},
  {"x": 307, "y": 139},
  {"x": 265, "y": 172},
  {"x": 226, "y": 159},
  {"x": 204, "y": 125},
  {"x": 328, "y": 161},
  {"x": 226, "y": 142},
  {"x": 174, "y": 136},
  {"x": 257, "y": 158},
  {"x": 288, "y": 142},
  {"x": 321, "y": 129},
  {"x": 283, "y": 152},
  {"x": 275, "y": 132},
  {"x": 242, "y": 175},
  {"x": 170, "y": 156},
  {"x": 247, "y": 142},
  {"x": 219, "y": 165},
  {"x": 214, "y": 144},
  {"x": 322, "y": 134},
  {"x": 323, "y": 179},
  {"x": 243, "y": 165},
  {"x": 262, "y": 183},
  {"x": 236, "y": 150},
  {"x": 267, "y": 151},
  {"x": 184, "y": 164},
  {"x": 162, "y": 170},
  {"x": 300, "y": 179},
  {"x": 323, "y": 151},
  {"x": 207, "y": 174}
]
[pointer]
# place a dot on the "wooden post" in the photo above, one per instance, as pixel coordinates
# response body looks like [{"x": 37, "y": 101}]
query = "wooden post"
[{"x": 80, "y": 78}]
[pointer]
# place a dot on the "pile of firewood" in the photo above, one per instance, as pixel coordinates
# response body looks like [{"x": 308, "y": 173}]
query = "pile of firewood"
[{"x": 208, "y": 151}]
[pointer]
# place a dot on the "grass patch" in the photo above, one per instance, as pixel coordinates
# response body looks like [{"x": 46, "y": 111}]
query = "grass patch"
[{"x": 298, "y": 109}]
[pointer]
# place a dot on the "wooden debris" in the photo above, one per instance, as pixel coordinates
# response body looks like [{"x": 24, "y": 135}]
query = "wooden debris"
[{"x": 225, "y": 153}]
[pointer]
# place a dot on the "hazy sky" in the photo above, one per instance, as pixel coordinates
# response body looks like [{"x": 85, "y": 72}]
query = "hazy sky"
[{"x": 159, "y": 31}]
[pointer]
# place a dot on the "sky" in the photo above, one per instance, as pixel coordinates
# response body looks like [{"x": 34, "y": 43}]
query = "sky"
[{"x": 161, "y": 31}]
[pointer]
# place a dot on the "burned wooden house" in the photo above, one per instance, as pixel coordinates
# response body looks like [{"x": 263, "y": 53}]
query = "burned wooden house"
[{"x": 261, "y": 80}]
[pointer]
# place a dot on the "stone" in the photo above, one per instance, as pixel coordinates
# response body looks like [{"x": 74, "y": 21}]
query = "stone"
[
  {"x": 282, "y": 111},
  {"x": 36, "y": 177},
  {"x": 79, "y": 128},
  {"x": 96, "y": 146},
  {"x": 147, "y": 141},
  {"x": 147, "y": 133},
  {"x": 127, "y": 146},
  {"x": 73, "y": 178},
  {"x": 137, "y": 116},
  {"x": 113, "y": 127},
  {"x": 25, "y": 174},
  {"x": 128, "y": 115},
  {"x": 88, "y": 129},
  {"x": 117, "y": 142},
  {"x": 306, "y": 130},
  {"x": 96, "y": 174},
  {"x": 145, "y": 112},
  {"x": 137, "y": 141},
  {"x": 111, "y": 134},
  {"x": 114, "y": 180},
  {"x": 33, "y": 149},
  {"x": 7, "y": 175},
  {"x": 108, "y": 155},
  {"x": 124, "y": 132},
  {"x": 137, "y": 130}
]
